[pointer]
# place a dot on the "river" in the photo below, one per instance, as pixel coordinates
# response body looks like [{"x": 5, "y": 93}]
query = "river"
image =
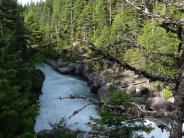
[{"x": 52, "y": 110}]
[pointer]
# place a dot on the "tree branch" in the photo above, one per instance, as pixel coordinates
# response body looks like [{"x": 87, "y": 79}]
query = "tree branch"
[
  {"x": 131, "y": 42},
  {"x": 134, "y": 109},
  {"x": 161, "y": 18},
  {"x": 146, "y": 54},
  {"x": 123, "y": 42},
  {"x": 169, "y": 27},
  {"x": 149, "y": 75}
]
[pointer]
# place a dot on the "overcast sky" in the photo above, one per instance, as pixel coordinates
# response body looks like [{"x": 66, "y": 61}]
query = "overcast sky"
[{"x": 26, "y": 1}]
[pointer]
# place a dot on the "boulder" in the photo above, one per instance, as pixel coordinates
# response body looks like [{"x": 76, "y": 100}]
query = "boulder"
[
  {"x": 102, "y": 92},
  {"x": 72, "y": 65},
  {"x": 155, "y": 94},
  {"x": 141, "y": 100},
  {"x": 86, "y": 70},
  {"x": 140, "y": 91},
  {"x": 52, "y": 62},
  {"x": 159, "y": 104},
  {"x": 94, "y": 88},
  {"x": 105, "y": 64},
  {"x": 95, "y": 78},
  {"x": 78, "y": 69},
  {"x": 66, "y": 70},
  {"x": 61, "y": 63}
]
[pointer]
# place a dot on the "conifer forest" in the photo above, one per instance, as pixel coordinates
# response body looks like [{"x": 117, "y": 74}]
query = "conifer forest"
[{"x": 92, "y": 69}]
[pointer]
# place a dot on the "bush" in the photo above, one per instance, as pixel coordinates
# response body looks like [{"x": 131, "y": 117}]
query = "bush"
[
  {"x": 167, "y": 93},
  {"x": 95, "y": 65},
  {"x": 116, "y": 123},
  {"x": 59, "y": 131},
  {"x": 119, "y": 97}
]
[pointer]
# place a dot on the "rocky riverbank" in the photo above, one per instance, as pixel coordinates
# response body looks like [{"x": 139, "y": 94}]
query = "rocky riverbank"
[
  {"x": 140, "y": 88},
  {"x": 96, "y": 82}
]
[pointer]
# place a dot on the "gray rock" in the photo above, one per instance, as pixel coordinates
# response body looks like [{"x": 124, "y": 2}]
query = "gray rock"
[
  {"x": 67, "y": 70},
  {"x": 85, "y": 70},
  {"x": 95, "y": 78},
  {"x": 102, "y": 92},
  {"x": 51, "y": 62},
  {"x": 142, "y": 91},
  {"x": 159, "y": 104},
  {"x": 78, "y": 69},
  {"x": 72, "y": 65},
  {"x": 155, "y": 94},
  {"x": 141, "y": 100},
  {"x": 61, "y": 63}
]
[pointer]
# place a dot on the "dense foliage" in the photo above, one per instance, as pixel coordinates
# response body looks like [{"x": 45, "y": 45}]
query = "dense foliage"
[
  {"x": 116, "y": 123},
  {"x": 27, "y": 35},
  {"x": 126, "y": 32},
  {"x": 17, "y": 91},
  {"x": 61, "y": 22}
]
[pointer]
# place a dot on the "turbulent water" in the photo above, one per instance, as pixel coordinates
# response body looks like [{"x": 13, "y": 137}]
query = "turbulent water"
[{"x": 52, "y": 110}]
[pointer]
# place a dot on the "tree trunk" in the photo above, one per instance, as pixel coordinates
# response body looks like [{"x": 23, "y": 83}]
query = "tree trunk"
[
  {"x": 94, "y": 28},
  {"x": 110, "y": 12},
  {"x": 71, "y": 22},
  {"x": 178, "y": 114},
  {"x": 176, "y": 123}
]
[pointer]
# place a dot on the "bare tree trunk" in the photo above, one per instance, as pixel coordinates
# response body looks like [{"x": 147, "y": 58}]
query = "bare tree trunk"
[
  {"x": 176, "y": 122},
  {"x": 71, "y": 22},
  {"x": 94, "y": 28},
  {"x": 110, "y": 12},
  {"x": 57, "y": 33},
  {"x": 178, "y": 114}
]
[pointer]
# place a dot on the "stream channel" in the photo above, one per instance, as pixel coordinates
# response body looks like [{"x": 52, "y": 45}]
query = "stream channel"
[{"x": 52, "y": 109}]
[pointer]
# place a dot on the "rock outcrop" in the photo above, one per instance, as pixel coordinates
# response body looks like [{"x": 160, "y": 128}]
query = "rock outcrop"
[
  {"x": 136, "y": 86},
  {"x": 96, "y": 83},
  {"x": 159, "y": 104}
]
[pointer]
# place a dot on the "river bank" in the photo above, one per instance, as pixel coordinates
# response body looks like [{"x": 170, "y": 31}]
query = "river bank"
[{"x": 111, "y": 75}]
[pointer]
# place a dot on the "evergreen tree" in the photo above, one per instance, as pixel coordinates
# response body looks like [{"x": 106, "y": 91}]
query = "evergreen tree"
[{"x": 17, "y": 101}]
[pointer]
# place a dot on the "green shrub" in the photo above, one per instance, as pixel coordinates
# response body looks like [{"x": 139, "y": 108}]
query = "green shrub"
[
  {"x": 95, "y": 65},
  {"x": 115, "y": 123},
  {"x": 59, "y": 131},
  {"x": 167, "y": 93},
  {"x": 119, "y": 97}
]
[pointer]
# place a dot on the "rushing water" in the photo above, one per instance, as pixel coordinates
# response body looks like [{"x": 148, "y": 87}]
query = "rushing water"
[{"x": 52, "y": 110}]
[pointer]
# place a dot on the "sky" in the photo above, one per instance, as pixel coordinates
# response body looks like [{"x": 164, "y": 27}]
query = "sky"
[{"x": 26, "y": 1}]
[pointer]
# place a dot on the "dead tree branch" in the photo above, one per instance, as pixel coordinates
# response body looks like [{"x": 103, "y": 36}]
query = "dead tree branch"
[{"x": 129, "y": 107}]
